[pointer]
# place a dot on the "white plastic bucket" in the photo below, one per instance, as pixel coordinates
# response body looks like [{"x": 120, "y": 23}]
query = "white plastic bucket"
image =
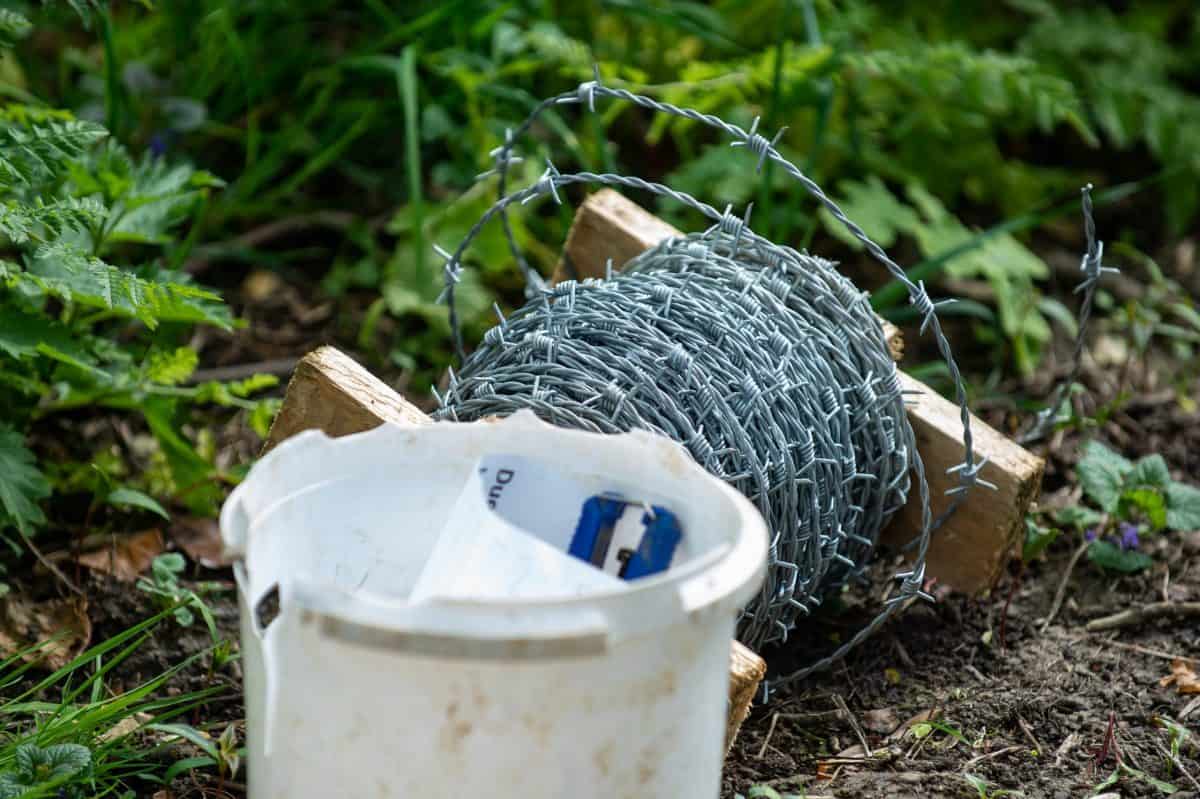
[{"x": 614, "y": 689}]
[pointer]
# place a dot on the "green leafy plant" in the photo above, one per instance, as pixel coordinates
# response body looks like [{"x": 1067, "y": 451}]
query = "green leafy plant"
[
  {"x": 38, "y": 769},
  {"x": 984, "y": 788},
  {"x": 164, "y": 585},
  {"x": 1126, "y": 770},
  {"x": 1125, "y": 501},
  {"x": 93, "y": 304},
  {"x": 68, "y": 734}
]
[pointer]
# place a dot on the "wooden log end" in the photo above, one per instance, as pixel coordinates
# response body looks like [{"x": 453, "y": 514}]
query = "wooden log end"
[
  {"x": 970, "y": 551},
  {"x": 330, "y": 391},
  {"x": 746, "y": 672}
]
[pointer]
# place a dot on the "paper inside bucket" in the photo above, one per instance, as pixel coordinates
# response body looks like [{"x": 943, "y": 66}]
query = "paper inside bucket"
[{"x": 509, "y": 536}]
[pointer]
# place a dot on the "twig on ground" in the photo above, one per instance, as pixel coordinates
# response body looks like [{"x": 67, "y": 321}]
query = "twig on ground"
[
  {"x": 989, "y": 756},
  {"x": 977, "y": 674},
  {"x": 820, "y": 715},
  {"x": 762, "y": 750},
  {"x": 1175, "y": 761},
  {"x": 1145, "y": 650},
  {"x": 853, "y": 722},
  {"x": 49, "y": 564},
  {"x": 1037, "y": 745},
  {"x": 1144, "y": 613},
  {"x": 1062, "y": 585}
]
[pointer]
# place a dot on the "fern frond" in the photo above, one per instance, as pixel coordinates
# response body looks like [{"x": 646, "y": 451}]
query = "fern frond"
[
  {"x": 38, "y": 149},
  {"x": 62, "y": 271},
  {"x": 171, "y": 367},
  {"x": 13, "y": 27},
  {"x": 1002, "y": 86},
  {"x": 40, "y": 221}
]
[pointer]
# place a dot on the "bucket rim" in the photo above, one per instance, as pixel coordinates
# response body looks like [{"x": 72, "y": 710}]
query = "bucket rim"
[{"x": 719, "y": 580}]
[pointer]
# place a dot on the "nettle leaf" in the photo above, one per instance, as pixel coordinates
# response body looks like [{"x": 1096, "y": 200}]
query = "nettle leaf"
[
  {"x": 1150, "y": 471},
  {"x": 1009, "y": 267},
  {"x": 876, "y": 210},
  {"x": 22, "y": 484},
  {"x": 263, "y": 415},
  {"x": 719, "y": 174},
  {"x": 1107, "y": 555},
  {"x": 1102, "y": 474},
  {"x": 1183, "y": 507}
]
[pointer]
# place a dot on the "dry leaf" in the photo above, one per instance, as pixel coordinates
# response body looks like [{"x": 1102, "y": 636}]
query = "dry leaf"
[
  {"x": 882, "y": 721},
  {"x": 125, "y": 726},
  {"x": 125, "y": 557},
  {"x": 24, "y": 623},
  {"x": 924, "y": 716},
  {"x": 1183, "y": 677},
  {"x": 201, "y": 539}
]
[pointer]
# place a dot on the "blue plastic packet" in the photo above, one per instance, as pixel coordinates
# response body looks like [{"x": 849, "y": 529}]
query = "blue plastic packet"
[{"x": 627, "y": 539}]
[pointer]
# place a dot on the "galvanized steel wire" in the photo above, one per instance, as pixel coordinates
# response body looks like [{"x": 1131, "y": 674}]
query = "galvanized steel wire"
[{"x": 765, "y": 362}]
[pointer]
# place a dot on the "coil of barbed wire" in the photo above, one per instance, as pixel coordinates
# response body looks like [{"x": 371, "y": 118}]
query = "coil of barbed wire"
[{"x": 766, "y": 363}]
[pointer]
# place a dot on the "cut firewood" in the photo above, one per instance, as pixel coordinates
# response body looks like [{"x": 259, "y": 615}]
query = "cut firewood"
[
  {"x": 329, "y": 391},
  {"x": 333, "y": 393},
  {"x": 969, "y": 552}
]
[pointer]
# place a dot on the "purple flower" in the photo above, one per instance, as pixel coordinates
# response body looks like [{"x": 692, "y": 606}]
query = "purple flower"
[
  {"x": 1090, "y": 534},
  {"x": 1129, "y": 536}
]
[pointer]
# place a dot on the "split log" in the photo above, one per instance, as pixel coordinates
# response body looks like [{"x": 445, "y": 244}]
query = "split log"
[
  {"x": 969, "y": 552},
  {"x": 331, "y": 392}
]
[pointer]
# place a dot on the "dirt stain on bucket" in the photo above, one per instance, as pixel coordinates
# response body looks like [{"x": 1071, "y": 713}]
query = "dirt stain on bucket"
[{"x": 454, "y": 730}]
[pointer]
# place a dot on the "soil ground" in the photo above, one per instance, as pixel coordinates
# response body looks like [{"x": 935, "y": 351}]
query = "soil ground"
[
  {"x": 1048, "y": 712},
  {"x": 1022, "y": 709},
  {"x": 1041, "y": 712}
]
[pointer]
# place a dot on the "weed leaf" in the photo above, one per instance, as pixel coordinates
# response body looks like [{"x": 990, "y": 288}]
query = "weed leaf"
[
  {"x": 1110, "y": 556},
  {"x": 1183, "y": 507},
  {"x": 22, "y": 484},
  {"x": 1102, "y": 475}
]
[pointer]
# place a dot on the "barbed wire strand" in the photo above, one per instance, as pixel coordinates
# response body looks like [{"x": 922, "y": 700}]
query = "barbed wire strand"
[
  {"x": 582, "y": 354},
  {"x": 1093, "y": 269}
]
